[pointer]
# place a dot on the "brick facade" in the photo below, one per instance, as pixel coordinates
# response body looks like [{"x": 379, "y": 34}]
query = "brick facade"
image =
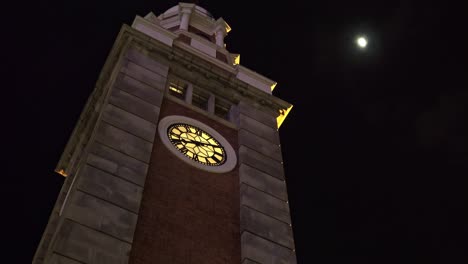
[{"x": 188, "y": 215}]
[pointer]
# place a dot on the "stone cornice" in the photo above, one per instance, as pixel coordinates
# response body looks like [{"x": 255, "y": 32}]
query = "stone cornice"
[{"x": 211, "y": 68}]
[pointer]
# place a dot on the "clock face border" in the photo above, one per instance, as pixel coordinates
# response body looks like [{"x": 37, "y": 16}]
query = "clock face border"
[{"x": 230, "y": 159}]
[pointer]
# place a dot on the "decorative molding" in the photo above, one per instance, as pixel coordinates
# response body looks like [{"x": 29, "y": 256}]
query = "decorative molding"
[{"x": 251, "y": 85}]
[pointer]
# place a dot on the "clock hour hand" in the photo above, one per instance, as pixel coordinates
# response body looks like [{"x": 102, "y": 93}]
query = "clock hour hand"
[
  {"x": 206, "y": 144},
  {"x": 197, "y": 143}
]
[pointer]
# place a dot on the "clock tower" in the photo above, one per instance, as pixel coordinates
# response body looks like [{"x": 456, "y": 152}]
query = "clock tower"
[{"x": 176, "y": 157}]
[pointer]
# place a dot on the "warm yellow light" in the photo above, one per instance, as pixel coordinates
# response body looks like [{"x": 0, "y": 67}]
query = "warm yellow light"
[
  {"x": 362, "y": 42},
  {"x": 282, "y": 116},
  {"x": 62, "y": 172},
  {"x": 172, "y": 88},
  {"x": 237, "y": 60},
  {"x": 273, "y": 86}
]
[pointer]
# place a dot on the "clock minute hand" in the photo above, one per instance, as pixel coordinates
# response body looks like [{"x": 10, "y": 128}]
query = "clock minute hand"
[
  {"x": 198, "y": 143},
  {"x": 191, "y": 141},
  {"x": 206, "y": 144}
]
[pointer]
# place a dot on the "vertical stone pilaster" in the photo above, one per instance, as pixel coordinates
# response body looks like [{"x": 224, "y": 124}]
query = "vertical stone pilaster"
[
  {"x": 97, "y": 221},
  {"x": 266, "y": 231}
]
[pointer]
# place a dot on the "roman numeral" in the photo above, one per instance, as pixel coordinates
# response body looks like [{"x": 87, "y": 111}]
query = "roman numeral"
[
  {"x": 183, "y": 150},
  {"x": 216, "y": 159},
  {"x": 174, "y": 134},
  {"x": 176, "y": 140}
]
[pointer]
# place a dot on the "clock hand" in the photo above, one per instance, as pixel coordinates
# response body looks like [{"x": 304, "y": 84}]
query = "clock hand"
[
  {"x": 206, "y": 144},
  {"x": 197, "y": 143}
]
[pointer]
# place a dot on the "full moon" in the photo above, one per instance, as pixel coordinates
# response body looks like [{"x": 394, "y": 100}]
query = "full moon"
[{"x": 362, "y": 42}]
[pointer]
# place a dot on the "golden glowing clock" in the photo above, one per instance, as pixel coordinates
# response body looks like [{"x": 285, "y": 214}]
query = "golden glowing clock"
[{"x": 197, "y": 144}]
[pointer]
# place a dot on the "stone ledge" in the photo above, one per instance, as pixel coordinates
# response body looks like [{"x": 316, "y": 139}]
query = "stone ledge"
[
  {"x": 129, "y": 122},
  {"x": 259, "y": 129},
  {"x": 265, "y": 252},
  {"x": 124, "y": 142},
  {"x": 261, "y": 162},
  {"x": 144, "y": 75},
  {"x": 101, "y": 215},
  {"x": 258, "y": 115},
  {"x": 261, "y": 145},
  {"x": 118, "y": 163},
  {"x": 109, "y": 188},
  {"x": 58, "y": 259},
  {"x": 134, "y": 105},
  {"x": 144, "y": 60},
  {"x": 265, "y": 203},
  {"x": 90, "y": 246},
  {"x": 267, "y": 227},
  {"x": 263, "y": 181},
  {"x": 136, "y": 88}
]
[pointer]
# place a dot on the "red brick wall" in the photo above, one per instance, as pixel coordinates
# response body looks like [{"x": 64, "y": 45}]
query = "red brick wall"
[{"x": 187, "y": 215}]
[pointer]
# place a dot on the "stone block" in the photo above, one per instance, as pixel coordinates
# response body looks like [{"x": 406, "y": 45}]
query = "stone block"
[
  {"x": 266, "y": 227},
  {"x": 90, "y": 246},
  {"x": 265, "y": 203},
  {"x": 144, "y": 60},
  {"x": 254, "y": 113},
  {"x": 129, "y": 122},
  {"x": 248, "y": 261},
  {"x": 261, "y": 162},
  {"x": 263, "y": 251},
  {"x": 134, "y": 105},
  {"x": 110, "y": 188},
  {"x": 124, "y": 142},
  {"x": 117, "y": 163},
  {"x": 262, "y": 181},
  {"x": 261, "y": 145},
  {"x": 101, "y": 215},
  {"x": 144, "y": 75},
  {"x": 259, "y": 129},
  {"x": 57, "y": 259},
  {"x": 139, "y": 89}
]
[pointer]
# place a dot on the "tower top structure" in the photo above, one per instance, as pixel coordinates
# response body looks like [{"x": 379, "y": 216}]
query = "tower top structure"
[
  {"x": 197, "y": 20},
  {"x": 194, "y": 28}
]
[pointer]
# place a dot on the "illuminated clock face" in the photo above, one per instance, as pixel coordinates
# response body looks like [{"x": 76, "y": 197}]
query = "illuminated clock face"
[{"x": 196, "y": 144}]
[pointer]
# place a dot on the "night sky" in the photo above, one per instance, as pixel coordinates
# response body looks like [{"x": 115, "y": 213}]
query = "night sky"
[{"x": 375, "y": 148}]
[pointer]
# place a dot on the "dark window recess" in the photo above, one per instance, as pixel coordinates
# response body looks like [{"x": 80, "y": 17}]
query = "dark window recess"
[
  {"x": 222, "y": 109},
  {"x": 200, "y": 100},
  {"x": 220, "y": 56},
  {"x": 177, "y": 89},
  {"x": 173, "y": 28},
  {"x": 184, "y": 38}
]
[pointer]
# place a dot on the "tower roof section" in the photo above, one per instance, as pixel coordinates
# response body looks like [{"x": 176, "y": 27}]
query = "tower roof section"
[
  {"x": 195, "y": 19},
  {"x": 175, "y": 9},
  {"x": 194, "y": 29}
]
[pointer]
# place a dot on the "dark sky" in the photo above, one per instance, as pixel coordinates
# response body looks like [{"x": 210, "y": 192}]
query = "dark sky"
[{"x": 375, "y": 148}]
